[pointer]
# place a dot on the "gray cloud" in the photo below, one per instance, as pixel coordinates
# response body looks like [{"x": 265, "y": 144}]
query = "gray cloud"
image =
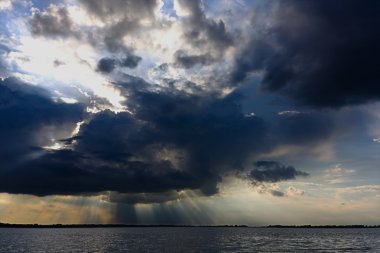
[
  {"x": 121, "y": 17},
  {"x": 133, "y": 10},
  {"x": 185, "y": 60},
  {"x": 201, "y": 31},
  {"x": 107, "y": 65},
  {"x": 54, "y": 22},
  {"x": 130, "y": 61},
  {"x": 271, "y": 171},
  {"x": 277, "y": 193}
]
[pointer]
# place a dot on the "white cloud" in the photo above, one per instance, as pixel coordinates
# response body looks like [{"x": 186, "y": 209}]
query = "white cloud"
[
  {"x": 293, "y": 191},
  {"x": 5, "y": 5},
  {"x": 289, "y": 113}
]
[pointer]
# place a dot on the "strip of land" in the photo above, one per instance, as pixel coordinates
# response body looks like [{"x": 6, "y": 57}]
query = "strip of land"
[{"x": 8, "y": 225}]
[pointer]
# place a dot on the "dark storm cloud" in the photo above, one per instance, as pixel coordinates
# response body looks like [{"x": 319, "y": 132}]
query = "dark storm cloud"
[
  {"x": 185, "y": 60},
  {"x": 320, "y": 53},
  {"x": 71, "y": 172},
  {"x": 271, "y": 171},
  {"x": 201, "y": 31},
  {"x": 24, "y": 110},
  {"x": 54, "y": 22},
  {"x": 198, "y": 132},
  {"x": 172, "y": 141},
  {"x": 277, "y": 193},
  {"x": 107, "y": 65}
]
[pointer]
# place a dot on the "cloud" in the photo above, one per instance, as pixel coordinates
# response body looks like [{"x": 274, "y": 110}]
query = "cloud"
[
  {"x": 293, "y": 191},
  {"x": 277, "y": 193},
  {"x": 106, "y": 65},
  {"x": 188, "y": 61},
  {"x": 130, "y": 9},
  {"x": 130, "y": 61},
  {"x": 119, "y": 18},
  {"x": 26, "y": 111},
  {"x": 201, "y": 31},
  {"x": 72, "y": 173},
  {"x": 271, "y": 171},
  {"x": 5, "y": 5},
  {"x": 337, "y": 174},
  {"x": 172, "y": 141},
  {"x": 175, "y": 135},
  {"x": 169, "y": 141},
  {"x": 53, "y": 22},
  {"x": 319, "y": 53},
  {"x": 275, "y": 190}
]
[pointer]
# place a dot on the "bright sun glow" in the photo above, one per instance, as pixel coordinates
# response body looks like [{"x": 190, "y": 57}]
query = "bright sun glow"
[{"x": 65, "y": 63}]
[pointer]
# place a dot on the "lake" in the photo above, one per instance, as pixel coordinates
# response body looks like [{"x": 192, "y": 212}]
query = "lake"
[{"x": 189, "y": 239}]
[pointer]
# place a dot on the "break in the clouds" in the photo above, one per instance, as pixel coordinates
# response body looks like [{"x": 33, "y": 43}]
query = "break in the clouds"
[{"x": 158, "y": 102}]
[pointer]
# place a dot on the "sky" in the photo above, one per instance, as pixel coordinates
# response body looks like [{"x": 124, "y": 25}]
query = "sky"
[{"x": 190, "y": 112}]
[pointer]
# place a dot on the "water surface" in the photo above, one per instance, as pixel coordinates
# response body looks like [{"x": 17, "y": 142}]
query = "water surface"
[{"x": 188, "y": 239}]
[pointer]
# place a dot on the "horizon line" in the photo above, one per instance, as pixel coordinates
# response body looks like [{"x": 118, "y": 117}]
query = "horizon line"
[{"x": 95, "y": 225}]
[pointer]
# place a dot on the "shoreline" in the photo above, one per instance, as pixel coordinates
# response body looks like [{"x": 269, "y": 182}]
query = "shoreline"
[{"x": 8, "y": 225}]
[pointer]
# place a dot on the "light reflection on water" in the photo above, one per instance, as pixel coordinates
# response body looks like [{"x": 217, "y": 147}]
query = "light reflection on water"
[{"x": 190, "y": 239}]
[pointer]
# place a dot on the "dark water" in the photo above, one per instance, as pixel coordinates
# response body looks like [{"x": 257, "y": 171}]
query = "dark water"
[{"x": 188, "y": 240}]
